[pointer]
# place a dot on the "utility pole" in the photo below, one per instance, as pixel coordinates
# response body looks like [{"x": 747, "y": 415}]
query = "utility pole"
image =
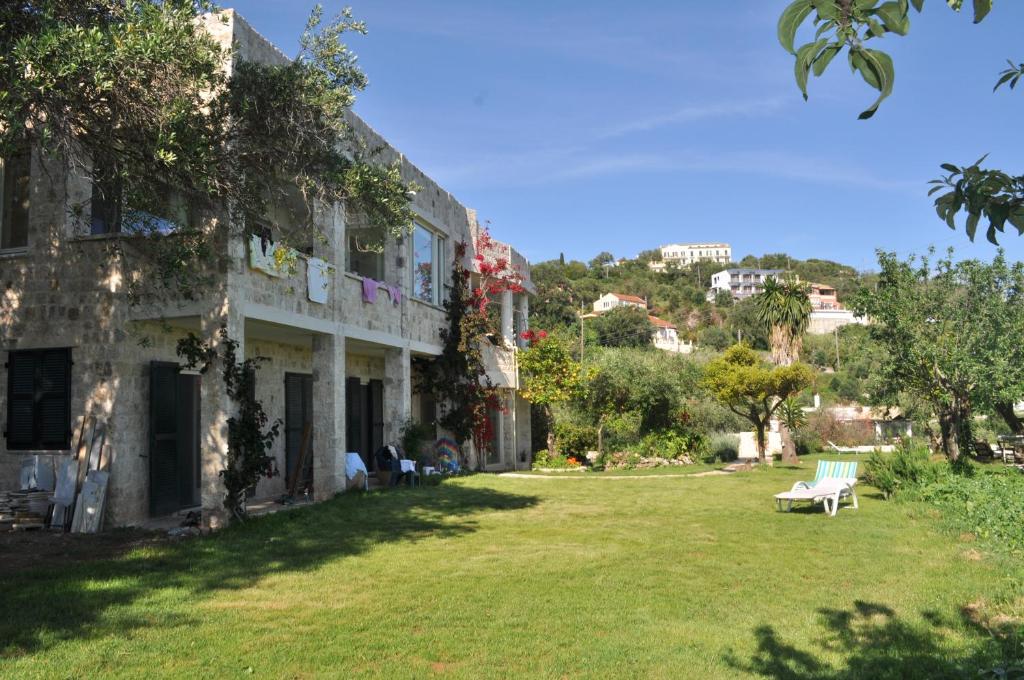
[
  {"x": 581, "y": 334},
  {"x": 836, "y": 331}
]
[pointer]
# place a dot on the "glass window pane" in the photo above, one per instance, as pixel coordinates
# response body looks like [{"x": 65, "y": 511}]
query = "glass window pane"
[
  {"x": 14, "y": 208},
  {"x": 423, "y": 284}
]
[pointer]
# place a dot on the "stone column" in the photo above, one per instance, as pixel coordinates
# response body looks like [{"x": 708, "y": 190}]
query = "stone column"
[
  {"x": 328, "y": 415},
  {"x": 216, "y": 408},
  {"x": 507, "y": 328},
  {"x": 397, "y": 392},
  {"x": 523, "y": 309}
]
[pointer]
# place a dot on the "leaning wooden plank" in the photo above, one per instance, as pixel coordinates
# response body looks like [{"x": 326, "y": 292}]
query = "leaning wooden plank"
[
  {"x": 64, "y": 493},
  {"x": 85, "y": 437},
  {"x": 89, "y": 513}
]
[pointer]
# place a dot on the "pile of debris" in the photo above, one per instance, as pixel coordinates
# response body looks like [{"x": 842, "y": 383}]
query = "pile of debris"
[{"x": 20, "y": 510}]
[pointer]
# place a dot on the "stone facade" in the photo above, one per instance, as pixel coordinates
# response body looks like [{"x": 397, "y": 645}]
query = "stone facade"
[{"x": 67, "y": 289}]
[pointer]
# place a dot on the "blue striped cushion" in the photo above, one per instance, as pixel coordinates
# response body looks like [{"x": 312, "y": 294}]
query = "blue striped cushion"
[{"x": 834, "y": 469}]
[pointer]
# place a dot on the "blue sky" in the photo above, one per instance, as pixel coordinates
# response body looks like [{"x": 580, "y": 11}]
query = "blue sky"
[{"x": 582, "y": 126}]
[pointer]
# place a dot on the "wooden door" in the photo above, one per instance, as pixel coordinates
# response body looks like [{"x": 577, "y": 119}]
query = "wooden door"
[
  {"x": 298, "y": 412},
  {"x": 174, "y": 472}
]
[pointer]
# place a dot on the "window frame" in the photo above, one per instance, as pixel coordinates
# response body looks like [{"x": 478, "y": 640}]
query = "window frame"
[
  {"x": 438, "y": 254},
  {"x": 37, "y": 356},
  {"x": 6, "y": 202}
]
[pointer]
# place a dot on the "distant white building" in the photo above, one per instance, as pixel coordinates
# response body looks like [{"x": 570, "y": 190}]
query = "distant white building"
[
  {"x": 686, "y": 254},
  {"x": 610, "y": 301},
  {"x": 741, "y": 283},
  {"x": 827, "y": 313},
  {"x": 666, "y": 337}
]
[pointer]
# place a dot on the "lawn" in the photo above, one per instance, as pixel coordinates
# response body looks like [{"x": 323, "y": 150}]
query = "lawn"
[{"x": 496, "y": 577}]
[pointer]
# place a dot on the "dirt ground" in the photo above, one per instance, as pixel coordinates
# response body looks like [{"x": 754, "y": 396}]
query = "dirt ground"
[{"x": 24, "y": 550}]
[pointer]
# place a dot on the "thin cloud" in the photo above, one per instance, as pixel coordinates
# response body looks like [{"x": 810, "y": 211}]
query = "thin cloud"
[{"x": 698, "y": 112}]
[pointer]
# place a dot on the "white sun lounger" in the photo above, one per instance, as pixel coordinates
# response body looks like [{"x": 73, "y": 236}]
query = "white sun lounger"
[{"x": 834, "y": 480}]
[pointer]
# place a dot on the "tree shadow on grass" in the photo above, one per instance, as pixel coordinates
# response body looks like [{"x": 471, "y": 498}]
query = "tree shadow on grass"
[
  {"x": 877, "y": 644},
  {"x": 94, "y": 599}
]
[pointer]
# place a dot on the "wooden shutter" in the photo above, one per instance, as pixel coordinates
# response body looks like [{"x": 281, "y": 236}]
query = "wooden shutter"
[
  {"x": 293, "y": 423},
  {"x": 354, "y": 420},
  {"x": 39, "y": 399},
  {"x": 21, "y": 396},
  {"x": 53, "y": 403},
  {"x": 375, "y": 404},
  {"x": 164, "y": 482}
]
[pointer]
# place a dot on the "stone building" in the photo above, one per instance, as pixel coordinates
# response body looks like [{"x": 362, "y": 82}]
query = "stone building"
[{"x": 339, "y": 332}]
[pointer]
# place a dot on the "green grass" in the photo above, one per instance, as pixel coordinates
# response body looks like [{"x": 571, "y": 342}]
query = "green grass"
[
  {"x": 663, "y": 470},
  {"x": 491, "y": 577}
]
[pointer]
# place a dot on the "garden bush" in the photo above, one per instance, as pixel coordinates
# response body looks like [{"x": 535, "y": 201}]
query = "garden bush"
[
  {"x": 574, "y": 438},
  {"x": 543, "y": 461},
  {"x": 674, "y": 443},
  {"x": 829, "y": 429},
  {"x": 990, "y": 505},
  {"x": 909, "y": 467},
  {"x": 723, "y": 448}
]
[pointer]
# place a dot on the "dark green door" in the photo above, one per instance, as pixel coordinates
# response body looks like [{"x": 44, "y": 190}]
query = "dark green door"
[
  {"x": 173, "y": 439},
  {"x": 298, "y": 413}
]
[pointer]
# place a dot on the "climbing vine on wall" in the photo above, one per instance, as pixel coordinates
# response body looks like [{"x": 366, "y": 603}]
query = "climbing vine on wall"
[
  {"x": 458, "y": 377},
  {"x": 251, "y": 434}
]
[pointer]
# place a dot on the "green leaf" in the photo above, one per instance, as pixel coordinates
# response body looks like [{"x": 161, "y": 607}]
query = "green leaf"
[
  {"x": 949, "y": 167},
  {"x": 880, "y": 67},
  {"x": 894, "y": 17},
  {"x": 822, "y": 61},
  {"x": 981, "y": 9},
  {"x": 1007, "y": 77},
  {"x": 972, "y": 225},
  {"x": 918, "y": 4},
  {"x": 1016, "y": 218},
  {"x": 790, "y": 21},
  {"x": 802, "y": 66}
]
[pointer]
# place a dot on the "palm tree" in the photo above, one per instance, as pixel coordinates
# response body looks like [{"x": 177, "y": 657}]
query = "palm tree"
[{"x": 785, "y": 310}]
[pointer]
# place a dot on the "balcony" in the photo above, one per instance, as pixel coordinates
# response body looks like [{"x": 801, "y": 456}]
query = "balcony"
[{"x": 500, "y": 364}]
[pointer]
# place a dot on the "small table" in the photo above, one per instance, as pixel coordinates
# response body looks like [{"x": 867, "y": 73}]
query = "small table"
[{"x": 1012, "y": 448}]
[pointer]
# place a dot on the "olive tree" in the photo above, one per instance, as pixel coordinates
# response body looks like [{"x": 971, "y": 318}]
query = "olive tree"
[
  {"x": 952, "y": 333},
  {"x": 753, "y": 389}
]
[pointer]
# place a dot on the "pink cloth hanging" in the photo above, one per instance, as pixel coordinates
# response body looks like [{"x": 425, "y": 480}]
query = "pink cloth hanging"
[
  {"x": 369, "y": 290},
  {"x": 394, "y": 291}
]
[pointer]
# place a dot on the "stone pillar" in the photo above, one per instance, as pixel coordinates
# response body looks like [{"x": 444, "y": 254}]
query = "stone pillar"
[
  {"x": 328, "y": 415},
  {"x": 507, "y": 327},
  {"x": 397, "y": 392},
  {"x": 216, "y": 408},
  {"x": 523, "y": 309}
]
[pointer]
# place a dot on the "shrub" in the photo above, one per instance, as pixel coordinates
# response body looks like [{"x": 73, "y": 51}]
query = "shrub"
[
  {"x": 541, "y": 460},
  {"x": 807, "y": 441},
  {"x": 909, "y": 467},
  {"x": 830, "y": 429},
  {"x": 573, "y": 438},
  {"x": 676, "y": 443},
  {"x": 724, "y": 448},
  {"x": 990, "y": 505}
]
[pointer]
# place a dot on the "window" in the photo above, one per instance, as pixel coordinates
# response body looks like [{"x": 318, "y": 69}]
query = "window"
[
  {"x": 109, "y": 215},
  {"x": 105, "y": 203},
  {"x": 39, "y": 399},
  {"x": 363, "y": 261},
  {"x": 428, "y": 256},
  {"x": 15, "y": 173}
]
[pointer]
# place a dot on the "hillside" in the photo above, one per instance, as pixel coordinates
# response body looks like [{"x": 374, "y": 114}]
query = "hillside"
[{"x": 677, "y": 295}]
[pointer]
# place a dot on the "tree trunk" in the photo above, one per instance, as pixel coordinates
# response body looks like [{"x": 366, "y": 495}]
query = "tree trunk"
[
  {"x": 955, "y": 423},
  {"x": 789, "y": 456},
  {"x": 551, "y": 433},
  {"x": 600, "y": 437},
  {"x": 1005, "y": 409},
  {"x": 762, "y": 446}
]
